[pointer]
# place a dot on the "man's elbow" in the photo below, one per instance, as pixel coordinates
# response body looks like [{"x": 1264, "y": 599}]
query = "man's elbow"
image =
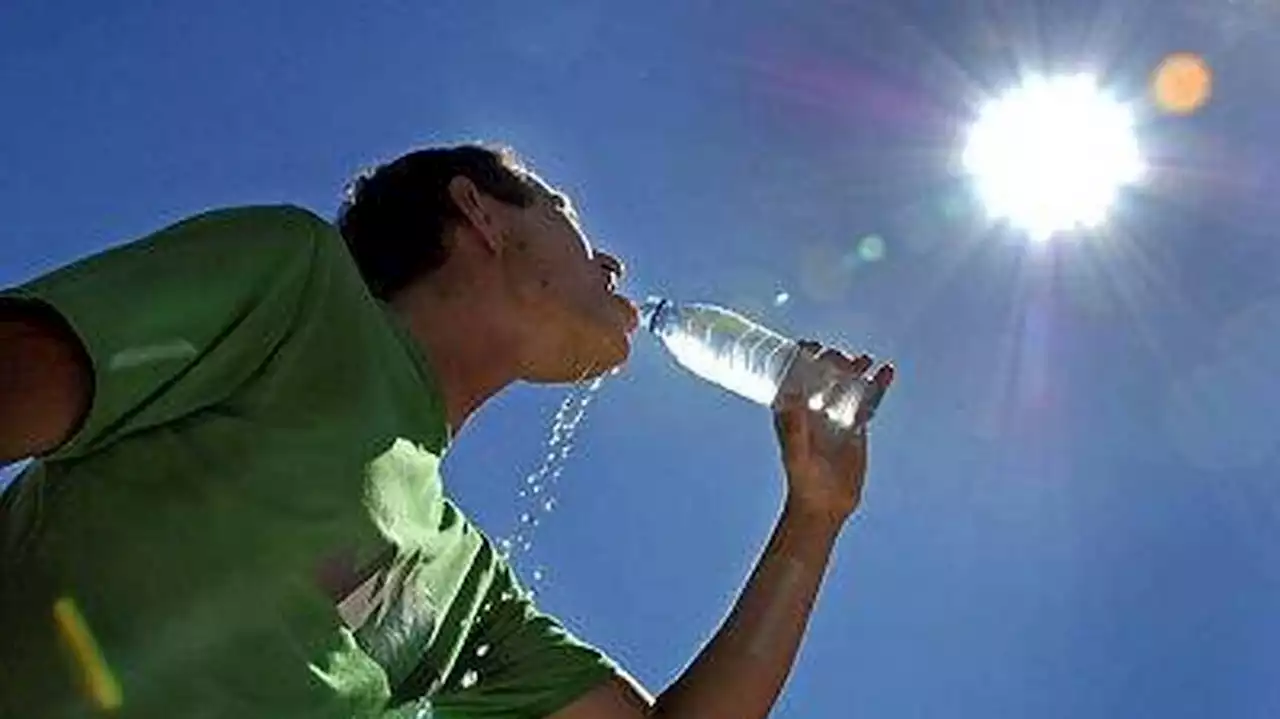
[{"x": 46, "y": 381}]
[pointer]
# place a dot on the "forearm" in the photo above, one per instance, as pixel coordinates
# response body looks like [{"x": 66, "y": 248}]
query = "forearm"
[{"x": 741, "y": 672}]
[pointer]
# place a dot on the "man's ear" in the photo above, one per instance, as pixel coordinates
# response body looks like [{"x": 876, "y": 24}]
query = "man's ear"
[{"x": 480, "y": 211}]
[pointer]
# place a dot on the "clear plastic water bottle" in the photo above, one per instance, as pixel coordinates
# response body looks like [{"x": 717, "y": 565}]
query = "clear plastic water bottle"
[{"x": 746, "y": 358}]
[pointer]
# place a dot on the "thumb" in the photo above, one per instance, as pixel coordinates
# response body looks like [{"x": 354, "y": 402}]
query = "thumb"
[{"x": 791, "y": 419}]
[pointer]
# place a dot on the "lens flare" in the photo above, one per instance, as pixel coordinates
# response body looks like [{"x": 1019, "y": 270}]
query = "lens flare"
[
  {"x": 96, "y": 676},
  {"x": 1182, "y": 83}
]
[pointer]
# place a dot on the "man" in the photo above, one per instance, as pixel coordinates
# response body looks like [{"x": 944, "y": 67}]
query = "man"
[{"x": 237, "y": 512}]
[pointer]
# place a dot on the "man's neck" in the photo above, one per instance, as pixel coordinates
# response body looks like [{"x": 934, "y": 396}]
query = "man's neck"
[{"x": 471, "y": 350}]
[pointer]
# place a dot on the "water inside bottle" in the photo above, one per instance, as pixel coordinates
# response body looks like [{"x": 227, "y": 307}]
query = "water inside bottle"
[
  {"x": 724, "y": 348},
  {"x": 741, "y": 367},
  {"x": 744, "y": 357}
]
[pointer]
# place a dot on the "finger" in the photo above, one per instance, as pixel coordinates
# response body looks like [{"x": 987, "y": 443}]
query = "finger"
[
  {"x": 789, "y": 404},
  {"x": 841, "y": 360},
  {"x": 858, "y": 438},
  {"x": 791, "y": 419},
  {"x": 847, "y": 366},
  {"x": 800, "y": 377},
  {"x": 814, "y": 349},
  {"x": 860, "y": 365},
  {"x": 785, "y": 400},
  {"x": 884, "y": 376},
  {"x": 876, "y": 390},
  {"x": 851, "y": 445}
]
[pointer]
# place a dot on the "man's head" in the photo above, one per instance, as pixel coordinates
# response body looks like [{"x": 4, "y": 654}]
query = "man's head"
[{"x": 473, "y": 222}]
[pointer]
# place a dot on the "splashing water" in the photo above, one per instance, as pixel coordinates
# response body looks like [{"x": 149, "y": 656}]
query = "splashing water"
[
  {"x": 537, "y": 489},
  {"x": 536, "y": 493},
  {"x": 470, "y": 678}
]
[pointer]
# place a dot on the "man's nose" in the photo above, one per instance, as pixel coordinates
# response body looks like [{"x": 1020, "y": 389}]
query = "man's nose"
[{"x": 612, "y": 265}]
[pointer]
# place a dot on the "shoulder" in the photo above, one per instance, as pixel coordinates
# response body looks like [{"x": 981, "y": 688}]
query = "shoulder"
[
  {"x": 266, "y": 237},
  {"x": 260, "y": 222}
]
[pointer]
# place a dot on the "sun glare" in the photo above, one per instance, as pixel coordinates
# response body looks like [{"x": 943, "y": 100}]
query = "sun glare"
[{"x": 1051, "y": 155}]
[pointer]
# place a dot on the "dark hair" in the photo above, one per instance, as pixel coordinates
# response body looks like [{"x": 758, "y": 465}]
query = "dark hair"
[{"x": 395, "y": 216}]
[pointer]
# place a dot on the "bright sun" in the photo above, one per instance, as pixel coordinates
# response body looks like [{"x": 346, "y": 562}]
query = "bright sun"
[{"x": 1052, "y": 154}]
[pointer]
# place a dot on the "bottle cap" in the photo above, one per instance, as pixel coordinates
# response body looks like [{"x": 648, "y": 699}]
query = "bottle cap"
[{"x": 649, "y": 310}]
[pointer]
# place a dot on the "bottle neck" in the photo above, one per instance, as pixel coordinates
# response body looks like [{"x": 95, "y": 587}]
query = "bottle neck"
[{"x": 652, "y": 312}]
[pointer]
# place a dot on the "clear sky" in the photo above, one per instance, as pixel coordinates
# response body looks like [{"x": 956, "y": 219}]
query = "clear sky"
[{"x": 1073, "y": 507}]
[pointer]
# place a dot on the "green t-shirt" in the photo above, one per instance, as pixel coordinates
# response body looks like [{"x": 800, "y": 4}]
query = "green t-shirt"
[{"x": 251, "y": 521}]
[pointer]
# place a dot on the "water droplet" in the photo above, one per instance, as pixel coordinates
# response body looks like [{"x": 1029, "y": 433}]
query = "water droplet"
[
  {"x": 781, "y": 298},
  {"x": 470, "y": 678},
  {"x": 540, "y": 483},
  {"x": 538, "y": 574},
  {"x": 507, "y": 596},
  {"x": 482, "y": 650}
]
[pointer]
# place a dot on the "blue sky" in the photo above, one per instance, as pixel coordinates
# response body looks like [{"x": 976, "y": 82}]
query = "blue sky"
[{"x": 1072, "y": 508}]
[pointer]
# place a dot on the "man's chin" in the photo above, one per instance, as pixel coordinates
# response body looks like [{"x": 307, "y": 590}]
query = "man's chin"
[
  {"x": 614, "y": 355},
  {"x": 596, "y": 362}
]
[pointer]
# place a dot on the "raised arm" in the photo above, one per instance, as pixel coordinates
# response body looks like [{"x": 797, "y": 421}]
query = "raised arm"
[
  {"x": 740, "y": 674},
  {"x": 46, "y": 382}
]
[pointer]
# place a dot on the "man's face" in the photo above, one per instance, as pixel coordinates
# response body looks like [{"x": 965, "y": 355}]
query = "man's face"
[{"x": 579, "y": 327}]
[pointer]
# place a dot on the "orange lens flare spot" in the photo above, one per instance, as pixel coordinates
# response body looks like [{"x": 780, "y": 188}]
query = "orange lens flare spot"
[{"x": 1182, "y": 83}]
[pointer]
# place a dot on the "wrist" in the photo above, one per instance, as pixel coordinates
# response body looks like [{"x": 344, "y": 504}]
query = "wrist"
[{"x": 819, "y": 524}]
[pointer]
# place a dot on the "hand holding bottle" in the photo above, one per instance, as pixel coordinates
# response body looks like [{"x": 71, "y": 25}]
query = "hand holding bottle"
[{"x": 825, "y": 464}]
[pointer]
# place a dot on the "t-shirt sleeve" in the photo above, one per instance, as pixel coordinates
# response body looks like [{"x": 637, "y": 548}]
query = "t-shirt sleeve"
[
  {"x": 177, "y": 321},
  {"x": 520, "y": 663}
]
